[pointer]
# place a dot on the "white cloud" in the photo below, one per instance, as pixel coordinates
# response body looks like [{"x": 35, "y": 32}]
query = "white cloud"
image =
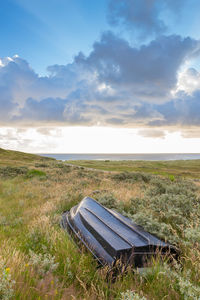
[
  {"x": 188, "y": 81},
  {"x": 90, "y": 91}
]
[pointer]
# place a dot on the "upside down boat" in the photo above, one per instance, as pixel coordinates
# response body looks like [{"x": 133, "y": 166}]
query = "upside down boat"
[{"x": 110, "y": 236}]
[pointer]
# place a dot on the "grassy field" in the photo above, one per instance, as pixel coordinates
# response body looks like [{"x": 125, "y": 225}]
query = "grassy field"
[
  {"x": 39, "y": 261},
  {"x": 183, "y": 168}
]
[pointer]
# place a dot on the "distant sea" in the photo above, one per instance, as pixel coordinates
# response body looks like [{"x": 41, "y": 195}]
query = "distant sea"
[{"x": 150, "y": 156}]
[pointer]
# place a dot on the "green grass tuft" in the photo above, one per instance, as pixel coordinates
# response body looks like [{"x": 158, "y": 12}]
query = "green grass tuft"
[{"x": 33, "y": 173}]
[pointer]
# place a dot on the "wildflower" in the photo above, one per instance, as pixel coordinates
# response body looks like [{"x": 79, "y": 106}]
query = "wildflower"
[
  {"x": 8, "y": 270},
  {"x": 6, "y": 282}
]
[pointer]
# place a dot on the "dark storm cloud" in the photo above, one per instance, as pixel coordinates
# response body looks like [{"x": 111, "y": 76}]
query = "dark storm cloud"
[
  {"x": 143, "y": 17},
  {"x": 115, "y": 121},
  {"x": 183, "y": 111},
  {"x": 87, "y": 104},
  {"x": 7, "y": 106},
  {"x": 49, "y": 109},
  {"x": 149, "y": 72}
]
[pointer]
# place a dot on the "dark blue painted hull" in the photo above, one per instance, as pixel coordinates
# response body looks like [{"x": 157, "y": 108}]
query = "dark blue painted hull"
[{"x": 110, "y": 236}]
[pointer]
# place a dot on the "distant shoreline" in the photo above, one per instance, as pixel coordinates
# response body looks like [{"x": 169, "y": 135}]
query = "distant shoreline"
[{"x": 147, "y": 157}]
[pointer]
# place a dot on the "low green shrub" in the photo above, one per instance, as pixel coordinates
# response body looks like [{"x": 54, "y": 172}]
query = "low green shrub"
[
  {"x": 43, "y": 263},
  {"x": 165, "y": 186},
  {"x": 132, "y": 177},
  {"x": 167, "y": 210},
  {"x": 106, "y": 199},
  {"x": 64, "y": 168},
  {"x": 11, "y": 172},
  {"x": 131, "y": 295},
  {"x": 41, "y": 165}
]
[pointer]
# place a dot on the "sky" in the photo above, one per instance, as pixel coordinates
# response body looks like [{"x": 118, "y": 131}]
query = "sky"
[{"x": 109, "y": 76}]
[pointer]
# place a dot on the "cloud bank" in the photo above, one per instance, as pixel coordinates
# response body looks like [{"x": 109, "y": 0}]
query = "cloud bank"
[{"x": 117, "y": 84}]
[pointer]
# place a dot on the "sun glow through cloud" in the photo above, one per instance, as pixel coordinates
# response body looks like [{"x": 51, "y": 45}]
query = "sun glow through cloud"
[{"x": 94, "y": 140}]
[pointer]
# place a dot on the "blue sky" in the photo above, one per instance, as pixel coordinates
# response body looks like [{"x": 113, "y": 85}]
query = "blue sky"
[
  {"x": 54, "y": 31},
  {"x": 49, "y": 32},
  {"x": 110, "y": 64}
]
